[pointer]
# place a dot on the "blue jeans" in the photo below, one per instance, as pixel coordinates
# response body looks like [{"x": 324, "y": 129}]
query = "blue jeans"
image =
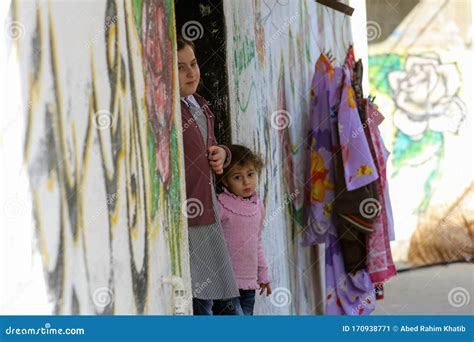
[
  {"x": 209, "y": 307},
  {"x": 247, "y": 301}
]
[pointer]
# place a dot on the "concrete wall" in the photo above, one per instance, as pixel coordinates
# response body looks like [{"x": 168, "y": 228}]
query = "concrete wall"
[
  {"x": 272, "y": 49},
  {"x": 101, "y": 141},
  {"x": 269, "y": 77}
]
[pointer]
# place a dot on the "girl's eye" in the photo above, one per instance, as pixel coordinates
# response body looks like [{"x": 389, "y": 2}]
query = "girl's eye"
[
  {"x": 180, "y": 68},
  {"x": 193, "y": 65},
  {"x": 237, "y": 177},
  {"x": 251, "y": 174}
]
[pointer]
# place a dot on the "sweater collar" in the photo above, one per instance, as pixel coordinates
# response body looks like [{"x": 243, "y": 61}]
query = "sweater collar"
[{"x": 239, "y": 205}]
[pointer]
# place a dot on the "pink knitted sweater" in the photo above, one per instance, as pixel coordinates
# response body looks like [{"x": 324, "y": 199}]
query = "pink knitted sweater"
[{"x": 242, "y": 222}]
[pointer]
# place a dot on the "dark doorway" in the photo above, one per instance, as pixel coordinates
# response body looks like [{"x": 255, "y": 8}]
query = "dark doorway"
[{"x": 203, "y": 22}]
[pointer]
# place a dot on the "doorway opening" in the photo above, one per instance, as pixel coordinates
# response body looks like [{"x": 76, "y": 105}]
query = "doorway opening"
[{"x": 203, "y": 22}]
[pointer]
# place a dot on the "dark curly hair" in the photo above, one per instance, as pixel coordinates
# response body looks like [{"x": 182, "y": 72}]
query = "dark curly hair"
[{"x": 241, "y": 156}]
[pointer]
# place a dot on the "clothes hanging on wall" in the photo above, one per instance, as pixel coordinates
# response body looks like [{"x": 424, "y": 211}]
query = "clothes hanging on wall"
[
  {"x": 346, "y": 197},
  {"x": 379, "y": 257},
  {"x": 380, "y": 263},
  {"x": 333, "y": 117},
  {"x": 354, "y": 225}
]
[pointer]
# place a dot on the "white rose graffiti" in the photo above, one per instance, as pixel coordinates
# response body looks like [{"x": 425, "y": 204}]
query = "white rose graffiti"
[{"x": 425, "y": 94}]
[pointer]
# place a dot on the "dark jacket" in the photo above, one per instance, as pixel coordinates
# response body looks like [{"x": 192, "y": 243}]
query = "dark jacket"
[
  {"x": 197, "y": 169},
  {"x": 354, "y": 228}
]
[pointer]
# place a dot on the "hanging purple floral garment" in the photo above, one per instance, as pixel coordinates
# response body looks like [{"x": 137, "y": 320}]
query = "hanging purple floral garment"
[{"x": 334, "y": 118}]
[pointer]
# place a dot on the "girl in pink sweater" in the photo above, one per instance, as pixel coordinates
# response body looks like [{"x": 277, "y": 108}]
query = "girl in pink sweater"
[{"x": 242, "y": 215}]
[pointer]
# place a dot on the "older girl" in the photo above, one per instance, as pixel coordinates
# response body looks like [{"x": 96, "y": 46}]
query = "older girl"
[{"x": 213, "y": 281}]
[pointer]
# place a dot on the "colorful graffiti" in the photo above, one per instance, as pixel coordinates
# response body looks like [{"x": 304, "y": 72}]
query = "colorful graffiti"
[
  {"x": 418, "y": 74},
  {"x": 269, "y": 74},
  {"x": 103, "y": 152},
  {"x": 425, "y": 93},
  {"x": 157, "y": 54}
]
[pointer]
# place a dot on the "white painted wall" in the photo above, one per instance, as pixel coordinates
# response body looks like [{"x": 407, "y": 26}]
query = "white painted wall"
[
  {"x": 272, "y": 50},
  {"x": 71, "y": 130}
]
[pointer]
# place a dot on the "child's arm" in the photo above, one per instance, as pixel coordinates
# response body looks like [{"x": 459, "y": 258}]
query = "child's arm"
[
  {"x": 219, "y": 157},
  {"x": 262, "y": 271},
  {"x": 228, "y": 155}
]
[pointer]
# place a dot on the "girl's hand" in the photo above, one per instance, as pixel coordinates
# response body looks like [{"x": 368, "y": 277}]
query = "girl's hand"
[
  {"x": 266, "y": 287},
  {"x": 216, "y": 158}
]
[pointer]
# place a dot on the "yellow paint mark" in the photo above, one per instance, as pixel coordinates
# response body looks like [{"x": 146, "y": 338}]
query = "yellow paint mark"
[
  {"x": 50, "y": 184},
  {"x": 134, "y": 233},
  {"x": 114, "y": 217},
  {"x": 15, "y": 17},
  {"x": 87, "y": 148},
  {"x": 111, "y": 36},
  {"x": 39, "y": 224}
]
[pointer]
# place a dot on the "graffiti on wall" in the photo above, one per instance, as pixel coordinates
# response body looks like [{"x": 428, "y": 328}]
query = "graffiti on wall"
[
  {"x": 269, "y": 73},
  {"x": 425, "y": 94},
  {"x": 102, "y": 149},
  {"x": 418, "y": 74}
]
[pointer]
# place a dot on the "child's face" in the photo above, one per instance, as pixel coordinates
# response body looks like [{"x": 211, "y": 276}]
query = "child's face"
[
  {"x": 241, "y": 180},
  {"x": 189, "y": 74}
]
